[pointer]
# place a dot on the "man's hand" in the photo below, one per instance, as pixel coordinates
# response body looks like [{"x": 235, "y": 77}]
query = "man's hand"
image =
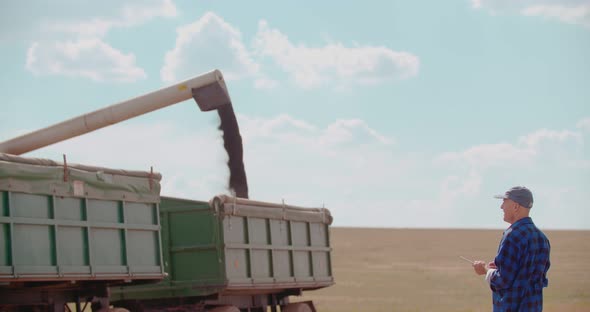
[
  {"x": 480, "y": 267},
  {"x": 492, "y": 265}
]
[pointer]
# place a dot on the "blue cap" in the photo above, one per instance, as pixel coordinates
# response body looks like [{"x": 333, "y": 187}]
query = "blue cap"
[{"x": 519, "y": 194}]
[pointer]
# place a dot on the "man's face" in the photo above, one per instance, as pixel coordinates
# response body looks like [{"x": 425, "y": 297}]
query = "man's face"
[{"x": 509, "y": 207}]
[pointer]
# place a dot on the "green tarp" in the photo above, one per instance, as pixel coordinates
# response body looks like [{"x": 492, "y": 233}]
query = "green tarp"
[
  {"x": 43, "y": 176},
  {"x": 233, "y": 206}
]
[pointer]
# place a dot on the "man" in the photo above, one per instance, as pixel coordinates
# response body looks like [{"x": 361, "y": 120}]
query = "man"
[{"x": 519, "y": 272}]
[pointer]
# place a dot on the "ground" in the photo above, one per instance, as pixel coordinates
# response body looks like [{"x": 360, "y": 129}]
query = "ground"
[{"x": 420, "y": 270}]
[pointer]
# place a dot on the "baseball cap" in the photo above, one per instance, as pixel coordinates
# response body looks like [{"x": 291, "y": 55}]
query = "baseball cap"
[{"x": 520, "y": 195}]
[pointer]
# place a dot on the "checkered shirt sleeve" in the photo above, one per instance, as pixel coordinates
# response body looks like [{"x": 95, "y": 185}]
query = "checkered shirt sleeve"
[{"x": 522, "y": 264}]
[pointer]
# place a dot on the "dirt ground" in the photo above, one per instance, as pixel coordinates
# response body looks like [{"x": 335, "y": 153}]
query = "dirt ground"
[{"x": 420, "y": 270}]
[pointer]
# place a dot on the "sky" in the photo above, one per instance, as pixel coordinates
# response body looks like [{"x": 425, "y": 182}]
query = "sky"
[{"x": 407, "y": 114}]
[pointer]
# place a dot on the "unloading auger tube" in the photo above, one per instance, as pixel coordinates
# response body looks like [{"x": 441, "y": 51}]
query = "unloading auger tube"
[{"x": 208, "y": 90}]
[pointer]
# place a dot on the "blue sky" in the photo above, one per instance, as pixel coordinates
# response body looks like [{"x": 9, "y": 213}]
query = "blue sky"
[{"x": 390, "y": 113}]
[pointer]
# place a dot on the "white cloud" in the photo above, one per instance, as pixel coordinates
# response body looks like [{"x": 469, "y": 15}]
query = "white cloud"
[
  {"x": 283, "y": 156},
  {"x": 522, "y": 153},
  {"x": 455, "y": 187},
  {"x": 129, "y": 15},
  {"x": 534, "y": 139},
  {"x": 354, "y": 130},
  {"x": 94, "y": 27},
  {"x": 289, "y": 129},
  {"x": 333, "y": 63},
  {"x": 488, "y": 155},
  {"x": 365, "y": 182},
  {"x": 86, "y": 54},
  {"x": 86, "y": 58},
  {"x": 134, "y": 13},
  {"x": 584, "y": 124},
  {"x": 209, "y": 43},
  {"x": 544, "y": 160},
  {"x": 579, "y": 15},
  {"x": 274, "y": 127},
  {"x": 566, "y": 11},
  {"x": 265, "y": 83},
  {"x": 310, "y": 164}
]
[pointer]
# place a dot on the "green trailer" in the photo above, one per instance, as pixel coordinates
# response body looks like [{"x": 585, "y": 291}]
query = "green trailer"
[
  {"x": 69, "y": 231},
  {"x": 234, "y": 253},
  {"x": 79, "y": 233},
  {"x": 74, "y": 233}
]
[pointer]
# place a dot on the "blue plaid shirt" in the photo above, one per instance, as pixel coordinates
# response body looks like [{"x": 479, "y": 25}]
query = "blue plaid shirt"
[{"x": 522, "y": 264}]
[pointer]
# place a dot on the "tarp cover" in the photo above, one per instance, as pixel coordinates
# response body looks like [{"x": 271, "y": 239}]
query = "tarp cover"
[
  {"x": 43, "y": 176},
  {"x": 251, "y": 208}
]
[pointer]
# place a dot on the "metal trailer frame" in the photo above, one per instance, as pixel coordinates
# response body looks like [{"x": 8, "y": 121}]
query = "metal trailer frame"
[
  {"x": 235, "y": 253},
  {"x": 67, "y": 233}
]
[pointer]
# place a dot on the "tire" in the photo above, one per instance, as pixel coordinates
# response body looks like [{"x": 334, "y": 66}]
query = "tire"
[
  {"x": 224, "y": 309},
  {"x": 296, "y": 307}
]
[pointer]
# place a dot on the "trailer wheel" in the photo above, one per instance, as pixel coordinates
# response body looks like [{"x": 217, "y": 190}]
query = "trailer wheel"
[
  {"x": 224, "y": 309},
  {"x": 297, "y": 307}
]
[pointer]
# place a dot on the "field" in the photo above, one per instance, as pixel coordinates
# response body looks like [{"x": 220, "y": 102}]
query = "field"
[{"x": 419, "y": 270}]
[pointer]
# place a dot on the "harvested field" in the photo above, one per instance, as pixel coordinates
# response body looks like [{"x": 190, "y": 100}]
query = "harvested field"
[{"x": 419, "y": 270}]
